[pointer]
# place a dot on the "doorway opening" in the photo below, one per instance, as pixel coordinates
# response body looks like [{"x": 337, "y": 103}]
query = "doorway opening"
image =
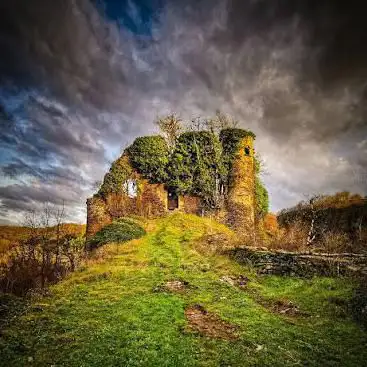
[{"x": 172, "y": 200}]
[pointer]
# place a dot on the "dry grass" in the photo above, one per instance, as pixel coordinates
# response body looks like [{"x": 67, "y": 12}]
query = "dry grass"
[{"x": 292, "y": 239}]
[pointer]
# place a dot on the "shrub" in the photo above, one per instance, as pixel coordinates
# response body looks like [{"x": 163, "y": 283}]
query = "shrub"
[
  {"x": 333, "y": 242},
  {"x": 262, "y": 198},
  {"x": 121, "y": 230},
  {"x": 291, "y": 239},
  {"x": 40, "y": 260}
]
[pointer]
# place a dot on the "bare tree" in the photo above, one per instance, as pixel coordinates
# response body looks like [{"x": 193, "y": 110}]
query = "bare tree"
[
  {"x": 45, "y": 256},
  {"x": 170, "y": 126},
  {"x": 225, "y": 121},
  {"x": 197, "y": 124}
]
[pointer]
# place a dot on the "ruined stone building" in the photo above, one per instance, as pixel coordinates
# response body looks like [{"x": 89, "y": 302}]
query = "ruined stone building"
[{"x": 149, "y": 180}]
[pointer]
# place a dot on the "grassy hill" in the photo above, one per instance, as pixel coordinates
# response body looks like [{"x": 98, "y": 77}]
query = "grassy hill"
[{"x": 168, "y": 299}]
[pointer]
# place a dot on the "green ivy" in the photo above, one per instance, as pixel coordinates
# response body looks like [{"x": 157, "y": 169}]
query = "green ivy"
[
  {"x": 115, "y": 178},
  {"x": 200, "y": 162},
  {"x": 262, "y": 198},
  {"x": 149, "y": 155},
  {"x": 196, "y": 165},
  {"x": 230, "y": 140}
]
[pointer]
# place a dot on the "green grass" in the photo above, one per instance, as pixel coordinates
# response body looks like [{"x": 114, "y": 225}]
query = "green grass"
[{"x": 112, "y": 313}]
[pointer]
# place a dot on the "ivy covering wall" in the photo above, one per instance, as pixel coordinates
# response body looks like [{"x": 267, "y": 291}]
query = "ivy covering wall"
[
  {"x": 198, "y": 165},
  {"x": 149, "y": 155},
  {"x": 115, "y": 178},
  {"x": 230, "y": 140}
]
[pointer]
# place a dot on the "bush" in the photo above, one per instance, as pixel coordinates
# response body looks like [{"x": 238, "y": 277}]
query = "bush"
[
  {"x": 293, "y": 238},
  {"x": 262, "y": 198},
  {"x": 40, "y": 260},
  {"x": 334, "y": 242},
  {"x": 115, "y": 178},
  {"x": 121, "y": 230}
]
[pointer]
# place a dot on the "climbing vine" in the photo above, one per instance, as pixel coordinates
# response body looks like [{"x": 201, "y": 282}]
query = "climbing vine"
[
  {"x": 115, "y": 178},
  {"x": 262, "y": 198},
  {"x": 230, "y": 140},
  {"x": 196, "y": 166}
]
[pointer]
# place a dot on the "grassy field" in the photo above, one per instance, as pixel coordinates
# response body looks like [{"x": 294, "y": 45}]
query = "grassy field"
[{"x": 119, "y": 312}]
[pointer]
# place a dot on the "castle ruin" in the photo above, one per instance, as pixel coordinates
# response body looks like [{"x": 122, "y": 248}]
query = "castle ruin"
[{"x": 129, "y": 190}]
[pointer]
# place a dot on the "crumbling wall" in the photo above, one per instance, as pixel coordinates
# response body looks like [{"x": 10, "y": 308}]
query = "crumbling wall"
[
  {"x": 189, "y": 204},
  {"x": 97, "y": 216},
  {"x": 150, "y": 202},
  {"x": 304, "y": 265},
  {"x": 232, "y": 172}
]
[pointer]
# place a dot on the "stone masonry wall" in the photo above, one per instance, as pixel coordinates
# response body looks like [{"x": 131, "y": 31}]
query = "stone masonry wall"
[
  {"x": 241, "y": 195},
  {"x": 97, "y": 216},
  {"x": 304, "y": 265},
  {"x": 150, "y": 202},
  {"x": 189, "y": 204}
]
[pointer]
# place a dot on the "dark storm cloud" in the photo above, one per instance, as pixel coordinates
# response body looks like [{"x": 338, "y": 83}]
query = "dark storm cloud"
[
  {"x": 76, "y": 87},
  {"x": 64, "y": 46},
  {"x": 39, "y": 133}
]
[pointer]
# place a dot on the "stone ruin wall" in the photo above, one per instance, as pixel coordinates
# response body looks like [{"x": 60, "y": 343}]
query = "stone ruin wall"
[
  {"x": 240, "y": 205},
  {"x": 304, "y": 265},
  {"x": 150, "y": 202},
  {"x": 189, "y": 204},
  {"x": 97, "y": 216},
  {"x": 238, "y": 211}
]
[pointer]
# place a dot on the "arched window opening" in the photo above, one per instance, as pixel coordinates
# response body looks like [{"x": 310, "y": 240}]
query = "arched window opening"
[
  {"x": 247, "y": 150},
  {"x": 131, "y": 188}
]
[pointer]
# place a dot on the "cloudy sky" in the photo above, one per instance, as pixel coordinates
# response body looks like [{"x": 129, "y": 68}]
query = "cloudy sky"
[{"x": 80, "y": 79}]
